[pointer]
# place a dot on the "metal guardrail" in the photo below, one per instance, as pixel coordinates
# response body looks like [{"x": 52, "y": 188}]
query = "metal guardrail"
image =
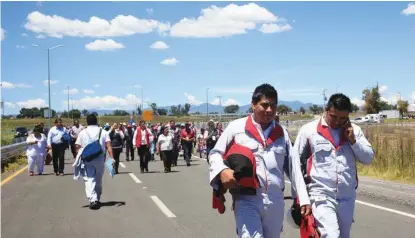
[{"x": 10, "y": 151}]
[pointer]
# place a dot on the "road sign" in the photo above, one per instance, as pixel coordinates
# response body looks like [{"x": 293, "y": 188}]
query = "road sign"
[{"x": 148, "y": 115}]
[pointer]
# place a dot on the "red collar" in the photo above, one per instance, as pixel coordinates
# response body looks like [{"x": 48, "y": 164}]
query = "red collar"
[
  {"x": 275, "y": 134},
  {"x": 323, "y": 130}
]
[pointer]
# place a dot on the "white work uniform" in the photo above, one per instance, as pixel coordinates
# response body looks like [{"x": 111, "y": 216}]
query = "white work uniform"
[
  {"x": 36, "y": 153},
  {"x": 94, "y": 169},
  {"x": 260, "y": 215},
  {"x": 330, "y": 162}
]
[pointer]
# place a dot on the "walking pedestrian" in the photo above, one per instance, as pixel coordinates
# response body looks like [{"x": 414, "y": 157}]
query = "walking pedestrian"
[
  {"x": 74, "y": 133},
  {"x": 142, "y": 140},
  {"x": 117, "y": 137},
  {"x": 174, "y": 132},
  {"x": 164, "y": 147},
  {"x": 36, "y": 152},
  {"x": 187, "y": 137},
  {"x": 129, "y": 148},
  {"x": 210, "y": 136},
  {"x": 58, "y": 139},
  {"x": 94, "y": 169}
]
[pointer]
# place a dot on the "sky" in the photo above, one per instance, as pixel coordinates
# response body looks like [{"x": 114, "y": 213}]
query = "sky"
[{"x": 181, "y": 52}]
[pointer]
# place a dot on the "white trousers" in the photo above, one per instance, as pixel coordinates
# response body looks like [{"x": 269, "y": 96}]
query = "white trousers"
[
  {"x": 38, "y": 160},
  {"x": 334, "y": 218},
  {"x": 254, "y": 219},
  {"x": 93, "y": 180}
]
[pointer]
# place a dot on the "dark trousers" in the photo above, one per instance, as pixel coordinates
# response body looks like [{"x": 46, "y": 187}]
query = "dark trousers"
[
  {"x": 73, "y": 147},
  {"x": 143, "y": 152},
  {"x": 187, "y": 151},
  {"x": 166, "y": 156},
  {"x": 175, "y": 154},
  {"x": 58, "y": 157},
  {"x": 208, "y": 149},
  {"x": 116, "y": 152},
  {"x": 129, "y": 148}
]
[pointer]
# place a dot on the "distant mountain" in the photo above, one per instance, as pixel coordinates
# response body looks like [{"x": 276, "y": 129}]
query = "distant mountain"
[{"x": 294, "y": 105}]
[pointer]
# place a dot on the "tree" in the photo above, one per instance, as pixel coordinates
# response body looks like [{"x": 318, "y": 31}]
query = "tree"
[
  {"x": 385, "y": 106},
  {"x": 174, "y": 110},
  {"x": 75, "y": 113},
  {"x": 302, "y": 110},
  {"x": 154, "y": 108},
  {"x": 161, "y": 112},
  {"x": 85, "y": 112},
  {"x": 283, "y": 109},
  {"x": 402, "y": 107},
  {"x": 187, "y": 107},
  {"x": 139, "y": 112},
  {"x": 316, "y": 109},
  {"x": 372, "y": 100},
  {"x": 120, "y": 113},
  {"x": 355, "y": 108},
  {"x": 231, "y": 109}
]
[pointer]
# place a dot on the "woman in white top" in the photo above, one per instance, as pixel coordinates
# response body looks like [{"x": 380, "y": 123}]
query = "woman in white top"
[
  {"x": 165, "y": 149},
  {"x": 36, "y": 152}
]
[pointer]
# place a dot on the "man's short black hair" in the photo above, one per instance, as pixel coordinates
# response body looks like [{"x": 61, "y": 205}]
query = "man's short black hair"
[
  {"x": 58, "y": 120},
  {"x": 339, "y": 102},
  {"x": 264, "y": 90},
  {"x": 91, "y": 119}
]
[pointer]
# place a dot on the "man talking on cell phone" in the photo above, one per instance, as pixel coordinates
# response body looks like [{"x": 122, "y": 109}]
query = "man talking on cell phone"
[{"x": 328, "y": 149}]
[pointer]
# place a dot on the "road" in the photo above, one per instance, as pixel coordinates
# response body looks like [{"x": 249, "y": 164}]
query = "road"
[{"x": 153, "y": 204}]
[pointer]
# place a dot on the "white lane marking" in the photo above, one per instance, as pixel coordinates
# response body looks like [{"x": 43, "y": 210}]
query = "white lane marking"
[
  {"x": 144, "y": 187},
  {"x": 162, "y": 207},
  {"x": 380, "y": 207},
  {"x": 134, "y": 178},
  {"x": 123, "y": 165}
]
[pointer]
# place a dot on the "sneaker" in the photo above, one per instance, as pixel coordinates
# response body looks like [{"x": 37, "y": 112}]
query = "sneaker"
[
  {"x": 94, "y": 205},
  {"x": 62, "y": 174},
  {"x": 31, "y": 174},
  {"x": 56, "y": 173},
  {"x": 40, "y": 174}
]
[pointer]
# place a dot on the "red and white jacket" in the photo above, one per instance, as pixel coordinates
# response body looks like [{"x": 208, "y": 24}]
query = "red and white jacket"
[
  {"x": 330, "y": 168},
  {"x": 269, "y": 151},
  {"x": 138, "y": 137}
]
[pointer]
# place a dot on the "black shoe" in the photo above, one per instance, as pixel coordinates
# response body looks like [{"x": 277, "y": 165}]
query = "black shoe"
[
  {"x": 142, "y": 171},
  {"x": 188, "y": 164},
  {"x": 128, "y": 159},
  {"x": 56, "y": 173},
  {"x": 94, "y": 205},
  {"x": 147, "y": 170}
]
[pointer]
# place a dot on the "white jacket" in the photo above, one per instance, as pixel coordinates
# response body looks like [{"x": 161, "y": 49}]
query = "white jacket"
[
  {"x": 269, "y": 157},
  {"x": 331, "y": 169}
]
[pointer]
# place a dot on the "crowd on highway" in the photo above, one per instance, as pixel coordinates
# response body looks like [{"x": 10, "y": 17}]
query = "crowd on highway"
[{"x": 248, "y": 159}]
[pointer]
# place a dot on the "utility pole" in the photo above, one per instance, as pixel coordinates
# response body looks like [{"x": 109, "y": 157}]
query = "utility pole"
[
  {"x": 142, "y": 100},
  {"x": 67, "y": 87},
  {"x": 220, "y": 109},
  {"x": 207, "y": 104}
]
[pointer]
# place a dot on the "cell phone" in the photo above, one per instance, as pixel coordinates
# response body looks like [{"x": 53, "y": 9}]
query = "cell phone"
[{"x": 346, "y": 122}]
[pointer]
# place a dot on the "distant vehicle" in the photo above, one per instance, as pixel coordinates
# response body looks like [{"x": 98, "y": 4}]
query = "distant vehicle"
[
  {"x": 360, "y": 120},
  {"x": 21, "y": 132},
  {"x": 375, "y": 118}
]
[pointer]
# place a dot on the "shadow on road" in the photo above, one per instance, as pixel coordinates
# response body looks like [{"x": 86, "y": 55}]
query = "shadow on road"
[
  {"x": 183, "y": 165},
  {"x": 109, "y": 204},
  {"x": 124, "y": 172}
]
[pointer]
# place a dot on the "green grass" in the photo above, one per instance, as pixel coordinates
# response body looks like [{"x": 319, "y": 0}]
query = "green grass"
[{"x": 14, "y": 164}]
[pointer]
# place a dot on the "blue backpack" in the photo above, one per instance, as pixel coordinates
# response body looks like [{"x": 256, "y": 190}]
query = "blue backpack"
[{"x": 92, "y": 150}]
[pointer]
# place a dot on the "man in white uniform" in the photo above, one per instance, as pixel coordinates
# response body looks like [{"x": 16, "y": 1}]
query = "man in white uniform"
[
  {"x": 259, "y": 215},
  {"x": 94, "y": 169},
  {"x": 328, "y": 149}
]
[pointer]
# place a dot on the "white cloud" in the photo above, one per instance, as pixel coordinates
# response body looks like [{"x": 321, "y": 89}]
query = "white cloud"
[
  {"x": 45, "y": 82},
  {"x": 58, "y": 27},
  {"x": 32, "y": 103},
  {"x": 104, "y": 45},
  {"x": 137, "y": 86},
  {"x": 87, "y": 91},
  {"x": 150, "y": 11},
  {"x": 222, "y": 22},
  {"x": 5, "y": 84},
  {"x": 383, "y": 89},
  {"x": 170, "y": 61},
  {"x": 409, "y": 10},
  {"x": 159, "y": 45},
  {"x": 97, "y": 85},
  {"x": 20, "y": 46},
  {"x": 268, "y": 28},
  {"x": 215, "y": 101},
  {"x": 358, "y": 101},
  {"x": 40, "y": 36},
  {"x": 25, "y": 35},
  {"x": 192, "y": 99},
  {"x": 231, "y": 101},
  {"x": 2, "y": 33},
  {"x": 106, "y": 102},
  {"x": 72, "y": 91},
  {"x": 10, "y": 105}
]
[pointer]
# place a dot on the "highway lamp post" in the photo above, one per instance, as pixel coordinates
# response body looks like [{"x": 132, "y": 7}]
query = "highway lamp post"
[
  {"x": 67, "y": 88},
  {"x": 49, "y": 104},
  {"x": 207, "y": 104}
]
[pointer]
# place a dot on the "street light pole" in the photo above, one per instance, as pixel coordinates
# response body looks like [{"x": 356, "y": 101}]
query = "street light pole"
[
  {"x": 50, "y": 108},
  {"x": 67, "y": 86},
  {"x": 207, "y": 103}
]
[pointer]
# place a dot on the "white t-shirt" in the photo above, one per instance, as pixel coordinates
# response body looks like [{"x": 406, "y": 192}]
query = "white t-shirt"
[
  {"x": 36, "y": 149},
  {"x": 165, "y": 142},
  {"x": 90, "y": 134}
]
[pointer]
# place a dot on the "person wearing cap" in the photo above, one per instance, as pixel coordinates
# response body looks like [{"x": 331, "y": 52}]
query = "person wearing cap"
[
  {"x": 74, "y": 133},
  {"x": 262, "y": 214},
  {"x": 328, "y": 149}
]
